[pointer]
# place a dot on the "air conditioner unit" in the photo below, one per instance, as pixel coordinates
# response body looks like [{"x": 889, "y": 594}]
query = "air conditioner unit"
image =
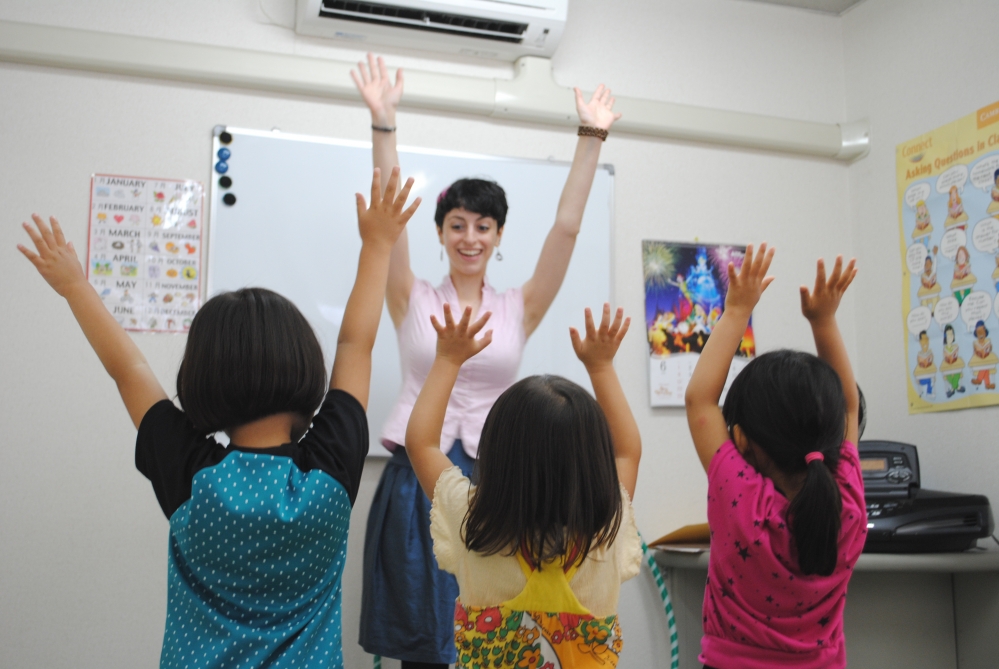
[{"x": 498, "y": 29}]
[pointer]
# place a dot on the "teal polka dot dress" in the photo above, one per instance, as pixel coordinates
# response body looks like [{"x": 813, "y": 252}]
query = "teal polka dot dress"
[{"x": 258, "y": 542}]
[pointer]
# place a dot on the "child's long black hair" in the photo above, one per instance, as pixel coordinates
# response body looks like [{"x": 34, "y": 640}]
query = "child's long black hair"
[
  {"x": 791, "y": 403},
  {"x": 547, "y": 479}
]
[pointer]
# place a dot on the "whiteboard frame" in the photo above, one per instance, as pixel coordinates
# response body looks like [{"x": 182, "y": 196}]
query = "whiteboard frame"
[{"x": 208, "y": 255}]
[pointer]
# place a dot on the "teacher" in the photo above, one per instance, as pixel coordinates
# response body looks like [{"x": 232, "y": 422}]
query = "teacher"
[{"x": 407, "y": 609}]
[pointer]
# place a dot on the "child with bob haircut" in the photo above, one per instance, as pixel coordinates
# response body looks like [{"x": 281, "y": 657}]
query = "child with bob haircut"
[
  {"x": 258, "y": 530},
  {"x": 541, "y": 545},
  {"x": 785, "y": 491}
]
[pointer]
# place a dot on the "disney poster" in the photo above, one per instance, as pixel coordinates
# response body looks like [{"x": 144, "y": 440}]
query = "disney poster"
[
  {"x": 948, "y": 206},
  {"x": 685, "y": 288}
]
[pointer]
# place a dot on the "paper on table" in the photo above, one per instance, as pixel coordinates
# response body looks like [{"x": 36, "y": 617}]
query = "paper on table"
[{"x": 687, "y": 539}]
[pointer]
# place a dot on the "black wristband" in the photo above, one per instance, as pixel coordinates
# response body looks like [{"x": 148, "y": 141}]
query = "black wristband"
[{"x": 383, "y": 128}]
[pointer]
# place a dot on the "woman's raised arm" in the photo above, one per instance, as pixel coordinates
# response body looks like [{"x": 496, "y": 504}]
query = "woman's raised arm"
[
  {"x": 541, "y": 289},
  {"x": 382, "y": 98}
]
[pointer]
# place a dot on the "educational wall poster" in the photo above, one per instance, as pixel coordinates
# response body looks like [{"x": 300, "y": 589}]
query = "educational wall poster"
[
  {"x": 144, "y": 253},
  {"x": 685, "y": 288},
  {"x": 948, "y": 204}
]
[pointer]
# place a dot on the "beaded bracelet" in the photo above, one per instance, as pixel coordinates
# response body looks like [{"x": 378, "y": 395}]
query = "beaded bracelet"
[{"x": 589, "y": 131}]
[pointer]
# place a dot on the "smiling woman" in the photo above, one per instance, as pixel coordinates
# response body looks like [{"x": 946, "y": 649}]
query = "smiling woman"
[{"x": 408, "y": 603}]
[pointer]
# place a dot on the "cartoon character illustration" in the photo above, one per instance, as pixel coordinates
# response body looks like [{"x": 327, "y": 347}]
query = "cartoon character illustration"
[
  {"x": 153, "y": 271},
  {"x": 152, "y": 297},
  {"x": 929, "y": 289},
  {"x": 923, "y": 229},
  {"x": 964, "y": 280},
  {"x": 983, "y": 362},
  {"x": 993, "y": 209},
  {"x": 701, "y": 283},
  {"x": 953, "y": 366},
  {"x": 955, "y": 210},
  {"x": 129, "y": 270},
  {"x": 995, "y": 273},
  {"x": 189, "y": 273},
  {"x": 126, "y": 297},
  {"x": 102, "y": 268},
  {"x": 925, "y": 371}
]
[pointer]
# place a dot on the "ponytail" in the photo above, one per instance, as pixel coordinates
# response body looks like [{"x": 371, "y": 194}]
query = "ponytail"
[{"x": 814, "y": 517}]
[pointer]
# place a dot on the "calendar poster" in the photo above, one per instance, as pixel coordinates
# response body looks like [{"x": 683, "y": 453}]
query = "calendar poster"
[
  {"x": 685, "y": 288},
  {"x": 144, "y": 251}
]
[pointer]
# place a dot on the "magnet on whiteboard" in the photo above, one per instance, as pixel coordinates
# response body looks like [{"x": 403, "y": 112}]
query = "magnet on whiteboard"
[
  {"x": 225, "y": 182},
  {"x": 221, "y": 167},
  {"x": 224, "y": 153},
  {"x": 225, "y": 137},
  {"x": 229, "y": 199}
]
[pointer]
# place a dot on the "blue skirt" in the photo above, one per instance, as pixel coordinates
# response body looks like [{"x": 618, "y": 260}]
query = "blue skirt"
[{"x": 407, "y": 604}]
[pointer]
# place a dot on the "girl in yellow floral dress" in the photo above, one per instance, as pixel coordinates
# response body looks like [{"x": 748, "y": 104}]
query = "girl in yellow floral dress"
[{"x": 541, "y": 544}]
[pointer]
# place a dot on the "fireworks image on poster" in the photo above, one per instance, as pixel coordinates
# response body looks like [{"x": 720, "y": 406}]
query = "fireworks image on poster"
[{"x": 685, "y": 288}]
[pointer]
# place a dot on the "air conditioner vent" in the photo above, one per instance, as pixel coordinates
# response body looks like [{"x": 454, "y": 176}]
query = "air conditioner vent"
[{"x": 420, "y": 19}]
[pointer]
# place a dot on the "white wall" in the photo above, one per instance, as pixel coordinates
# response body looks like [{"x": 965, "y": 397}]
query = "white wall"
[
  {"x": 84, "y": 543},
  {"x": 912, "y": 67}
]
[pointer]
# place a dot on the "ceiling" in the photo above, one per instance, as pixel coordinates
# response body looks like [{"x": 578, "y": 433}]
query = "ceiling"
[{"x": 828, "y": 6}]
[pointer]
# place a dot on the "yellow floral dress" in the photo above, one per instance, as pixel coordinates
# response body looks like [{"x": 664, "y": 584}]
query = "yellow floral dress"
[{"x": 544, "y": 627}]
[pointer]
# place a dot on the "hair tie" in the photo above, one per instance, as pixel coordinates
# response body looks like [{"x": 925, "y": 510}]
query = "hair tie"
[
  {"x": 443, "y": 194},
  {"x": 813, "y": 456}
]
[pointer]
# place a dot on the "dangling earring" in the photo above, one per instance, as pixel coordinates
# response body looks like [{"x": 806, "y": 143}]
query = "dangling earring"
[
  {"x": 499, "y": 256},
  {"x": 442, "y": 253}
]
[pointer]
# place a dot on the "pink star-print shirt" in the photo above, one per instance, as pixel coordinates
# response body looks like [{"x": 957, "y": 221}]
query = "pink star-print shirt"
[{"x": 760, "y": 611}]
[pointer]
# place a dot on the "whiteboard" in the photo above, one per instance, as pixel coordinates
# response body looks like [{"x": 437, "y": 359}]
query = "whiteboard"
[{"x": 293, "y": 229}]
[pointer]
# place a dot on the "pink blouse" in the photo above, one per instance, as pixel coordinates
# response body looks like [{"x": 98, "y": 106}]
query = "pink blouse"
[{"x": 482, "y": 379}]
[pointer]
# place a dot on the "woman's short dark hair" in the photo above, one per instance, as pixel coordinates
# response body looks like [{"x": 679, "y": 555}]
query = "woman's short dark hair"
[
  {"x": 547, "y": 479},
  {"x": 250, "y": 354},
  {"x": 481, "y": 196},
  {"x": 790, "y": 403}
]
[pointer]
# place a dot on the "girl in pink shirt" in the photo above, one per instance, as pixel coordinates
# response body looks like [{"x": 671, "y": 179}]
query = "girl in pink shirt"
[{"x": 785, "y": 492}]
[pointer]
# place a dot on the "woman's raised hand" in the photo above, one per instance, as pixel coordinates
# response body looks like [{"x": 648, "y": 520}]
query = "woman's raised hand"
[
  {"x": 385, "y": 218},
  {"x": 381, "y": 96},
  {"x": 599, "y": 111},
  {"x": 601, "y": 344},
  {"x": 56, "y": 258},
  {"x": 746, "y": 286},
  {"x": 456, "y": 342}
]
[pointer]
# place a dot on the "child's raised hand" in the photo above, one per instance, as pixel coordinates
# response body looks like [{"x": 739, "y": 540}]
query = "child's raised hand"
[
  {"x": 599, "y": 111},
  {"x": 56, "y": 259},
  {"x": 601, "y": 343},
  {"x": 385, "y": 219},
  {"x": 746, "y": 286},
  {"x": 823, "y": 301},
  {"x": 456, "y": 341}
]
